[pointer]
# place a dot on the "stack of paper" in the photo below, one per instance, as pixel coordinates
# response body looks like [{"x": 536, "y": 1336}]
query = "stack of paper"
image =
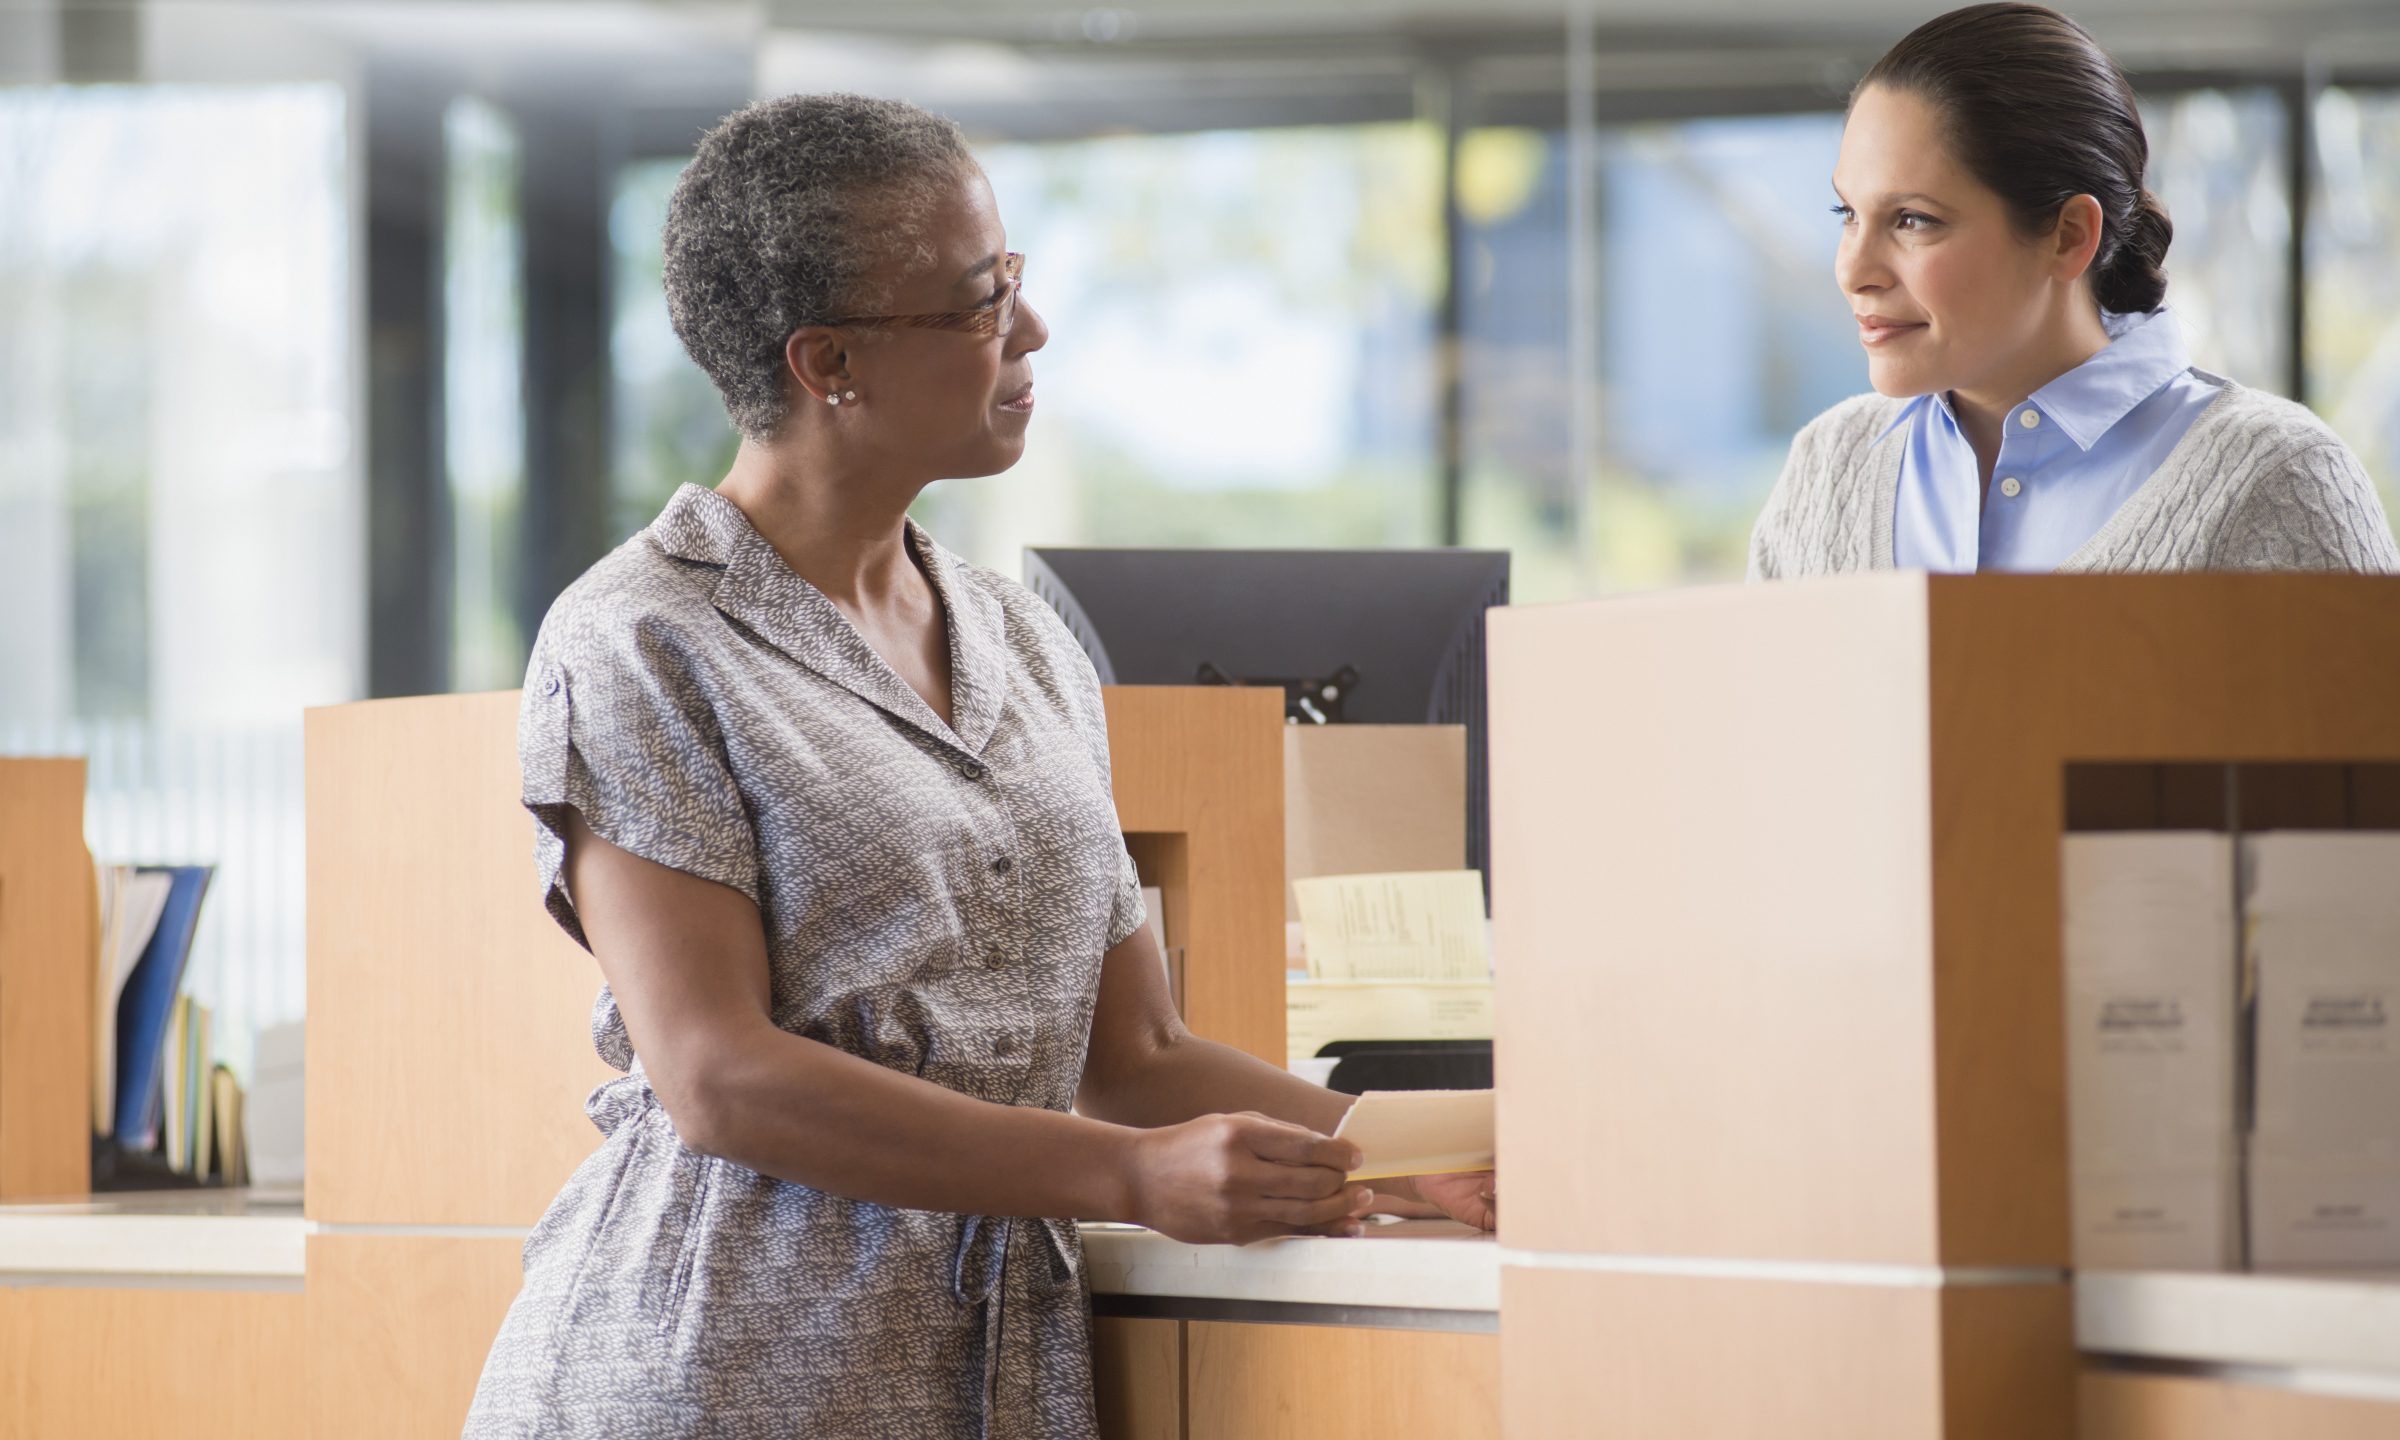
[
  {"x": 1421, "y": 926},
  {"x": 2151, "y": 966},
  {"x": 1390, "y": 957},
  {"x": 2324, "y": 957}
]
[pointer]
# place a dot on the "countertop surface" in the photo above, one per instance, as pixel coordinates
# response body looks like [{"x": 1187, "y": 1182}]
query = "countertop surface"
[
  {"x": 263, "y": 1235},
  {"x": 2346, "y": 1321}
]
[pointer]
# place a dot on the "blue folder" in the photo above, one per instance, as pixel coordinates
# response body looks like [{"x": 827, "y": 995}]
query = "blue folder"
[{"x": 148, "y": 1005}]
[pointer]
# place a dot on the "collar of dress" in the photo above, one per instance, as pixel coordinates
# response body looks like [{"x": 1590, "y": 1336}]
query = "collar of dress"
[{"x": 759, "y": 592}]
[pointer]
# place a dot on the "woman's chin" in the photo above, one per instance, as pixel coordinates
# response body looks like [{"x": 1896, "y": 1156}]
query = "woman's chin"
[
  {"x": 1900, "y": 382},
  {"x": 997, "y": 453}
]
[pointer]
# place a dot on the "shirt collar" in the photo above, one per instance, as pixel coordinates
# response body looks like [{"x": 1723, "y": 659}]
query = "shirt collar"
[
  {"x": 2145, "y": 351},
  {"x": 1917, "y": 405}
]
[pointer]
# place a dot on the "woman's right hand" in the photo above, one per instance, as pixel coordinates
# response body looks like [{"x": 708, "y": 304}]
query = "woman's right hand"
[{"x": 1232, "y": 1179}]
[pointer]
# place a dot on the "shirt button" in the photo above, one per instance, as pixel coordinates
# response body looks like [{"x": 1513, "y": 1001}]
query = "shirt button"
[
  {"x": 2010, "y": 487},
  {"x": 973, "y": 770},
  {"x": 2029, "y": 417},
  {"x": 1002, "y": 865},
  {"x": 992, "y": 956},
  {"x": 550, "y": 686}
]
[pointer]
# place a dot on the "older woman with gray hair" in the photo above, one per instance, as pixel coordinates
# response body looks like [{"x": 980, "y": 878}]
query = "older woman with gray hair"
[{"x": 831, "y": 810}]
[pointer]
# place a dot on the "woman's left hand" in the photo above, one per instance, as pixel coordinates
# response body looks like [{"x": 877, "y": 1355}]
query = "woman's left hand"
[{"x": 1471, "y": 1197}]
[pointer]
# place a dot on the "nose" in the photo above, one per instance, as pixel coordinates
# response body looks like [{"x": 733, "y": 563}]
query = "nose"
[
  {"x": 1030, "y": 332},
  {"x": 1859, "y": 264}
]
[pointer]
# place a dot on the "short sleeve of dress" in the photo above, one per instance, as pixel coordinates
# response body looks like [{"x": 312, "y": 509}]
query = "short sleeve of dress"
[{"x": 619, "y": 732}]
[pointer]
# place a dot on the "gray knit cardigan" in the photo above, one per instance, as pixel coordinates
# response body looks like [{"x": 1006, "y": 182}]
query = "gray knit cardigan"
[{"x": 2257, "y": 483}]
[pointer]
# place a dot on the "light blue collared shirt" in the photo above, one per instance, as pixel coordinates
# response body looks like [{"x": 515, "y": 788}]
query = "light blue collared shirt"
[{"x": 2069, "y": 456}]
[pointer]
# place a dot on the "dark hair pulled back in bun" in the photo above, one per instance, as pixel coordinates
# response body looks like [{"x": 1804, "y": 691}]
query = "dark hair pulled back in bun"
[{"x": 2038, "y": 112}]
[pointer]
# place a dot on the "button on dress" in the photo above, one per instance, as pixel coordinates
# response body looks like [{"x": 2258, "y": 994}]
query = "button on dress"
[{"x": 935, "y": 897}]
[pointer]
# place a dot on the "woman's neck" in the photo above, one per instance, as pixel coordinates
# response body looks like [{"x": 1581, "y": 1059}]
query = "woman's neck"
[
  {"x": 1982, "y": 409},
  {"x": 843, "y": 533}
]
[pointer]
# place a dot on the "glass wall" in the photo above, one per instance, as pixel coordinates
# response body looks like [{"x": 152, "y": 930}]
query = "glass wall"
[
  {"x": 2354, "y": 277},
  {"x": 1217, "y": 376},
  {"x": 1720, "y": 334},
  {"x": 2220, "y": 161},
  {"x": 181, "y": 567},
  {"x": 1241, "y": 345},
  {"x": 668, "y": 427},
  {"x": 483, "y": 339}
]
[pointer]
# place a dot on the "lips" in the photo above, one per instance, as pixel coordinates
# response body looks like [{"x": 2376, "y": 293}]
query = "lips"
[
  {"x": 1879, "y": 330},
  {"x": 1021, "y": 400}
]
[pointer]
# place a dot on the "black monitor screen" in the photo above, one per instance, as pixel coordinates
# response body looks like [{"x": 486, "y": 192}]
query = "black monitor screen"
[{"x": 1353, "y": 636}]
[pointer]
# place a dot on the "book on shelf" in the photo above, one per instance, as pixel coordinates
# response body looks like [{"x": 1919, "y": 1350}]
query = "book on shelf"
[
  {"x": 146, "y": 1010},
  {"x": 131, "y": 901}
]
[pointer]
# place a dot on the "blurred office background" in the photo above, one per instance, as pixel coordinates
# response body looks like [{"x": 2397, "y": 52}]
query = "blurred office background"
[{"x": 331, "y": 342}]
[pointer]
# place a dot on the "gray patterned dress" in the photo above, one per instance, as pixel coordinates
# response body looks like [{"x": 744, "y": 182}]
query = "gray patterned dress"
[{"x": 936, "y": 898}]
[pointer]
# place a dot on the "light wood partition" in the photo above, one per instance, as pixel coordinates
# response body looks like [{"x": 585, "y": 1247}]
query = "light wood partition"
[
  {"x": 1198, "y": 772},
  {"x": 138, "y": 1363},
  {"x": 1307, "y": 1382},
  {"x": 448, "y": 1046},
  {"x": 398, "y": 1327},
  {"x": 2175, "y": 1407},
  {"x": 48, "y": 911},
  {"x": 1777, "y": 904}
]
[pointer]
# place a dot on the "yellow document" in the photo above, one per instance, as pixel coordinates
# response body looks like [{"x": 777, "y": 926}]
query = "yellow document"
[
  {"x": 1424, "y": 926},
  {"x": 1319, "y": 1011},
  {"x": 1419, "y": 1132}
]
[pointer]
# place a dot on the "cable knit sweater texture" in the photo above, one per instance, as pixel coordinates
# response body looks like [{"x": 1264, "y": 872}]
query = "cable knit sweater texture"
[{"x": 2257, "y": 483}]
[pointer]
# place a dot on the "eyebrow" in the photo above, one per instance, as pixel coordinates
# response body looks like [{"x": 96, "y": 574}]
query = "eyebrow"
[
  {"x": 1903, "y": 198},
  {"x": 980, "y": 267}
]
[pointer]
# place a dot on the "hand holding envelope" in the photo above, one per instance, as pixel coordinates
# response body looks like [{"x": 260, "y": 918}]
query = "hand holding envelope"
[
  {"x": 1433, "y": 1135},
  {"x": 1442, "y": 1138}
]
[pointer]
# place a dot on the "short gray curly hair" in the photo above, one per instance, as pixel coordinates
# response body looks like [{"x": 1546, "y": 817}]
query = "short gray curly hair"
[{"x": 785, "y": 207}]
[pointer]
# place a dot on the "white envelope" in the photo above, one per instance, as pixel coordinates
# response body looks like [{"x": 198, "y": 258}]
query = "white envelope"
[{"x": 1419, "y": 1132}]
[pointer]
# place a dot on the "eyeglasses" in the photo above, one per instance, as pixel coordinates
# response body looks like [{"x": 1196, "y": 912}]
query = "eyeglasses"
[{"x": 991, "y": 320}]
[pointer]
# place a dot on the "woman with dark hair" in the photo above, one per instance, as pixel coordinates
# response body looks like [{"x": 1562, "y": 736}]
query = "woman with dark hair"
[
  {"x": 2034, "y": 408},
  {"x": 831, "y": 809}
]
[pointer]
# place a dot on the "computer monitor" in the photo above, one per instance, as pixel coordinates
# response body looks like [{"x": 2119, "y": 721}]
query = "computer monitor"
[{"x": 1390, "y": 637}]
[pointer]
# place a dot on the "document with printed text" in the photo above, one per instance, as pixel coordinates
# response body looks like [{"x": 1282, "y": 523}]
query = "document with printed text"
[{"x": 1427, "y": 926}]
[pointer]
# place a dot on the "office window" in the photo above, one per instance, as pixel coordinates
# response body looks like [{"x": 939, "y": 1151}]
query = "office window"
[
  {"x": 2354, "y": 278},
  {"x": 1241, "y": 342},
  {"x": 1721, "y": 333},
  {"x": 181, "y": 566},
  {"x": 2218, "y": 163},
  {"x": 1241, "y": 345},
  {"x": 483, "y": 336},
  {"x": 669, "y": 426}
]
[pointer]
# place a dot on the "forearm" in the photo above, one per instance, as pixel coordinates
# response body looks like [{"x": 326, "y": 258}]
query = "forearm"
[{"x": 801, "y": 1111}]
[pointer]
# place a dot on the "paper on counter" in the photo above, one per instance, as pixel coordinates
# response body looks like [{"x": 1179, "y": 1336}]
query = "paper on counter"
[
  {"x": 1419, "y": 1132},
  {"x": 1317, "y": 1012},
  {"x": 1423, "y": 926}
]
